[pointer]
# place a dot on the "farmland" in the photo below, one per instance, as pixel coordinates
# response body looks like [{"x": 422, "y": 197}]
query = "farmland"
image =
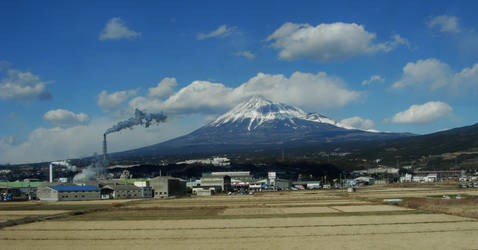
[{"x": 283, "y": 220}]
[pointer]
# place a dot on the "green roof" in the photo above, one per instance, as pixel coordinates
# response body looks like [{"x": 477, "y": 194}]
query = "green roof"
[
  {"x": 19, "y": 184},
  {"x": 131, "y": 181}
]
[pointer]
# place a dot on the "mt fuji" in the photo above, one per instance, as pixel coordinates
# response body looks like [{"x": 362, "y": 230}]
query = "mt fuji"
[
  {"x": 259, "y": 123},
  {"x": 259, "y": 111}
]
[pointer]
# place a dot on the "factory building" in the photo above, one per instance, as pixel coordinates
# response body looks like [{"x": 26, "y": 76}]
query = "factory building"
[
  {"x": 68, "y": 193},
  {"x": 282, "y": 184},
  {"x": 306, "y": 184},
  {"x": 203, "y": 192},
  {"x": 234, "y": 174},
  {"x": 121, "y": 191},
  {"x": 146, "y": 190},
  {"x": 19, "y": 190},
  {"x": 166, "y": 186},
  {"x": 221, "y": 183}
]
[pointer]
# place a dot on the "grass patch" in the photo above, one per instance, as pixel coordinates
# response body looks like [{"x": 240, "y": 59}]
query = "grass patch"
[
  {"x": 467, "y": 207},
  {"x": 195, "y": 214},
  {"x": 452, "y": 196},
  {"x": 53, "y": 206}
]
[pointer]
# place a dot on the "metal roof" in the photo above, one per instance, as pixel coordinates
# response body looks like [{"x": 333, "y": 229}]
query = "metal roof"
[
  {"x": 20, "y": 184},
  {"x": 74, "y": 188}
]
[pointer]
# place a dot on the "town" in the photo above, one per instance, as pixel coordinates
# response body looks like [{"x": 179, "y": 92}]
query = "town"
[{"x": 59, "y": 188}]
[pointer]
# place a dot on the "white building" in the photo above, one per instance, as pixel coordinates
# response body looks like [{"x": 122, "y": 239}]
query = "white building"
[
  {"x": 406, "y": 178},
  {"x": 215, "y": 161}
]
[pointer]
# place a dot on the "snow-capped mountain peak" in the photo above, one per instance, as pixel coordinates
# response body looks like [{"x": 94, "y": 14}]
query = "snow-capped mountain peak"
[{"x": 258, "y": 110}]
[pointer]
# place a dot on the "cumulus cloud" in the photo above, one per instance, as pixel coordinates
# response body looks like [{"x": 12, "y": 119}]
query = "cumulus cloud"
[
  {"x": 62, "y": 117},
  {"x": 246, "y": 54},
  {"x": 372, "y": 79},
  {"x": 9, "y": 140},
  {"x": 314, "y": 91},
  {"x": 433, "y": 74},
  {"x": 6, "y": 143},
  {"x": 425, "y": 113},
  {"x": 430, "y": 72},
  {"x": 328, "y": 42},
  {"x": 221, "y": 31},
  {"x": 109, "y": 102},
  {"x": 465, "y": 38},
  {"x": 302, "y": 89},
  {"x": 199, "y": 96},
  {"x": 164, "y": 88},
  {"x": 23, "y": 86},
  {"x": 358, "y": 122},
  {"x": 116, "y": 29},
  {"x": 444, "y": 23}
]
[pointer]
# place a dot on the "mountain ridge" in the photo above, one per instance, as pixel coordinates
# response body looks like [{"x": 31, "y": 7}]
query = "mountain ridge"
[{"x": 258, "y": 124}]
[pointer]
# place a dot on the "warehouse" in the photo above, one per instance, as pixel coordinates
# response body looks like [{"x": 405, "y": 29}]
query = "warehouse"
[
  {"x": 282, "y": 184},
  {"x": 27, "y": 190},
  {"x": 121, "y": 191},
  {"x": 146, "y": 190},
  {"x": 222, "y": 183},
  {"x": 166, "y": 186},
  {"x": 68, "y": 193}
]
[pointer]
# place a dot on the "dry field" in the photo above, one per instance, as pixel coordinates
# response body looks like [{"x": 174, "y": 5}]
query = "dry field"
[
  {"x": 32, "y": 209},
  {"x": 287, "y": 220}
]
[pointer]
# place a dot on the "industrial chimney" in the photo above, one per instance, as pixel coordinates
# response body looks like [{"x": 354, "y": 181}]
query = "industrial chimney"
[
  {"x": 104, "y": 150},
  {"x": 51, "y": 172}
]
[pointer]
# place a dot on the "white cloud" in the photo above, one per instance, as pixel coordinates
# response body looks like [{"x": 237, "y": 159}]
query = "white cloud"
[
  {"x": 314, "y": 91},
  {"x": 221, "y": 31},
  {"x": 328, "y": 42},
  {"x": 109, "y": 102},
  {"x": 425, "y": 113},
  {"x": 62, "y": 117},
  {"x": 116, "y": 29},
  {"x": 372, "y": 79},
  {"x": 199, "y": 96},
  {"x": 468, "y": 73},
  {"x": 7, "y": 142},
  {"x": 19, "y": 85},
  {"x": 164, "y": 88},
  {"x": 433, "y": 74},
  {"x": 358, "y": 122},
  {"x": 430, "y": 72},
  {"x": 444, "y": 23},
  {"x": 246, "y": 54}
]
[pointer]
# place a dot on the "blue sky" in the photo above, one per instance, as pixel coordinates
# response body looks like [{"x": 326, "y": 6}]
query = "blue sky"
[{"x": 71, "y": 69}]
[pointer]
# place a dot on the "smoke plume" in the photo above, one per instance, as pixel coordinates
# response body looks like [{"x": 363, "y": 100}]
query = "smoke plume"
[
  {"x": 66, "y": 164},
  {"x": 92, "y": 172},
  {"x": 98, "y": 168},
  {"x": 140, "y": 118}
]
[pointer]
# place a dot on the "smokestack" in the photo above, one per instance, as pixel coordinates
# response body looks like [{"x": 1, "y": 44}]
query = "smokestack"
[
  {"x": 51, "y": 173},
  {"x": 104, "y": 150}
]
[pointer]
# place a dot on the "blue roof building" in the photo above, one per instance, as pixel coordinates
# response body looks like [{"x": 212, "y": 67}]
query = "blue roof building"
[{"x": 74, "y": 188}]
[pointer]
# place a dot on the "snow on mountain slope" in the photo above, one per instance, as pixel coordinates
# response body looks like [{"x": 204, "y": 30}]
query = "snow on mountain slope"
[
  {"x": 260, "y": 124},
  {"x": 258, "y": 110}
]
